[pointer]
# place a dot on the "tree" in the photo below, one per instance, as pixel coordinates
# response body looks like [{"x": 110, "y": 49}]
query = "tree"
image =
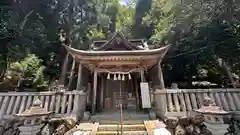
[{"x": 28, "y": 71}]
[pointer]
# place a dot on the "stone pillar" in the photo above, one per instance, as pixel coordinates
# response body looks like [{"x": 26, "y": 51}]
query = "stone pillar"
[
  {"x": 160, "y": 101},
  {"x": 79, "y": 105},
  {"x": 94, "y": 92},
  {"x": 79, "y": 80},
  {"x": 160, "y": 98}
]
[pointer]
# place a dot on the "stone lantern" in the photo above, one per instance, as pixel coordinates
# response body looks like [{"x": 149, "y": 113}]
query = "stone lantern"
[
  {"x": 213, "y": 117},
  {"x": 33, "y": 118}
]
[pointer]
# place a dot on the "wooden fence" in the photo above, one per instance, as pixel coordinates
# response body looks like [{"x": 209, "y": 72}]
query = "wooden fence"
[
  {"x": 62, "y": 104},
  {"x": 180, "y": 102}
]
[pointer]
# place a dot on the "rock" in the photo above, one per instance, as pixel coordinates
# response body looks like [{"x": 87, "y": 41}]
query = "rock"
[
  {"x": 54, "y": 123},
  {"x": 152, "y": 115},
  {"x": 180, "y": 130},
  {"x": 45, "y": 130},
  {"x": 87, "y": 116},
  {"x": 9, "y": 127},
  {"x": 62, "y": 125},
  {"x": 9, "y": 132},
  {"x": 61, "y": 130},
  {"x": 204, "y": 130},
  {"x": 69, "y": 122},
  {"x": 184, "y": 121},
  {"x": 172, "y": 122},
  {"x": 197, "y": 120},
  {"x": 189, "y": 130}
]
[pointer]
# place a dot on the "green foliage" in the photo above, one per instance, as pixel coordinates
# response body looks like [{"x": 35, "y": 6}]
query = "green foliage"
[
  {"x": 30, "y": 69},
  {"x": 40, "y": 27},
  {"x": 161, "y": 16},
  {"x": 124, "y": 22}
]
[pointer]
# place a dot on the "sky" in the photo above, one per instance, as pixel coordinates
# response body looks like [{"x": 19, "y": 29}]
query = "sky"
[{"x": 124, "y": 2}]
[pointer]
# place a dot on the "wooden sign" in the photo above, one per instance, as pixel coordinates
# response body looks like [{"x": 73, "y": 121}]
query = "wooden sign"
[{"x": 146, "y": 103}]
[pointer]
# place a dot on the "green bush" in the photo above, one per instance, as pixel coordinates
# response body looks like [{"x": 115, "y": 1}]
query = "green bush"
[{"x": 31, "y": 70}]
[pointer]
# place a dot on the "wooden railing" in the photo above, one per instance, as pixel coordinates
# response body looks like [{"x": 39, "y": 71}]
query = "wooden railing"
[
  {"x": 180, "y": 102},
  {"x": 62, "y": 104}
]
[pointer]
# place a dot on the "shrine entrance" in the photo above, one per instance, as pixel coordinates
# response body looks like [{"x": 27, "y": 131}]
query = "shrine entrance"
[
  {"x": 115, "y": 69},
  {"x": 118, "y": 89}
]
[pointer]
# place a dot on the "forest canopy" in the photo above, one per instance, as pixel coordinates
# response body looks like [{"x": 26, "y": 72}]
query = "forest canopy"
[{"x": 204, "y": 35}]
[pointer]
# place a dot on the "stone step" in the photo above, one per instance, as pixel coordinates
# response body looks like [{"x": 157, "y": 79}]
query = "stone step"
[
  {"x": 115, "y": 116},
  {"x": 125, "y": 122},
  {"x": 124, "y": 133},
  {"x": 137, "y": 127}
]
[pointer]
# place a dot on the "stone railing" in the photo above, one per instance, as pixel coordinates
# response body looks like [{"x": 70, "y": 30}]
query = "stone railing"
[
  {"x": 180, "y": 102},
  {"x": 70, "y": 103}
]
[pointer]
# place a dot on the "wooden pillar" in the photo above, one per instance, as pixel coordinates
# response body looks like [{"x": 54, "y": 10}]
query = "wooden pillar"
[
  {"x": 137, "y": 93},
  {"x": 71, "y": 74},
  {"x": 143, "y": 79},
  {"x": 94, "y": 92},
  {"x": 102, "y": 90},
  {"x": 79, "y": 80},
  {"x": 160, "y": 76},
  {"x": 89, "y": 92}
]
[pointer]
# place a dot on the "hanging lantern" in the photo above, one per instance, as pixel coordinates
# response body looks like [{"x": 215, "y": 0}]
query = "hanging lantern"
[
  {"x": 108, "y": 76},
  {"x": 115, "y": 77},
  {"x": 123, "y": 77},
  {"x": 129, "y": 76},
  {"x": 119, "y": 76}
]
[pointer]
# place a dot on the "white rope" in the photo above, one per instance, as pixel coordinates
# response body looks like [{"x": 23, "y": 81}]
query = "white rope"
[{"x": 117, "y": 72}]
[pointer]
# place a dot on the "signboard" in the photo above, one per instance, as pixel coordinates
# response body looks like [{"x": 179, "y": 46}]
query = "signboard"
[{"x": 146, "y": 102}]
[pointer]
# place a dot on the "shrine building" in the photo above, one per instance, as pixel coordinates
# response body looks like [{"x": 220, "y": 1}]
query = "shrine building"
[{"x": 111, "y": 72}]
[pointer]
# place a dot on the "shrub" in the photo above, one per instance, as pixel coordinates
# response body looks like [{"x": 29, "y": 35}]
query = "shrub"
[{"x": 31, "y": 70}]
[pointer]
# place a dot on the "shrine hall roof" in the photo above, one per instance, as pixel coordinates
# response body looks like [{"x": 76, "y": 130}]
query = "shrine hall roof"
[
  {"x": 157, "y": 51},
  {"x": 119, "y": 48},
  {"x": 119, "y": 42}
]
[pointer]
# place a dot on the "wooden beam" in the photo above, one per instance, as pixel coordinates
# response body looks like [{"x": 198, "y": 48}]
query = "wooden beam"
[
  {"x": 79, "y": 80},
  {"x": 94, "y": 92},
  {"x": 71, "y": 74},
  {"x": 107, "y": 63},
  {"x": 117, "y": 58}
]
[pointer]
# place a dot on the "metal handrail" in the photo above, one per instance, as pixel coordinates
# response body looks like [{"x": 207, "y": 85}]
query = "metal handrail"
[{"x": 121, "y": 118}]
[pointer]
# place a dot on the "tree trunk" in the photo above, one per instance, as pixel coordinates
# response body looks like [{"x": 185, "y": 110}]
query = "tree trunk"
[
  {"x": 222, "y": 64},
  {"x": 68, "y": 30}
]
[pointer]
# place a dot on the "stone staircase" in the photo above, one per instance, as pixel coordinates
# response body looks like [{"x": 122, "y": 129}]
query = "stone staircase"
[
  {"x": 128, "y": 128},
  {"x": 115, "y": 116},
  {"x": 106, "y": 127},
  {"x": 109, "y": 123}
]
